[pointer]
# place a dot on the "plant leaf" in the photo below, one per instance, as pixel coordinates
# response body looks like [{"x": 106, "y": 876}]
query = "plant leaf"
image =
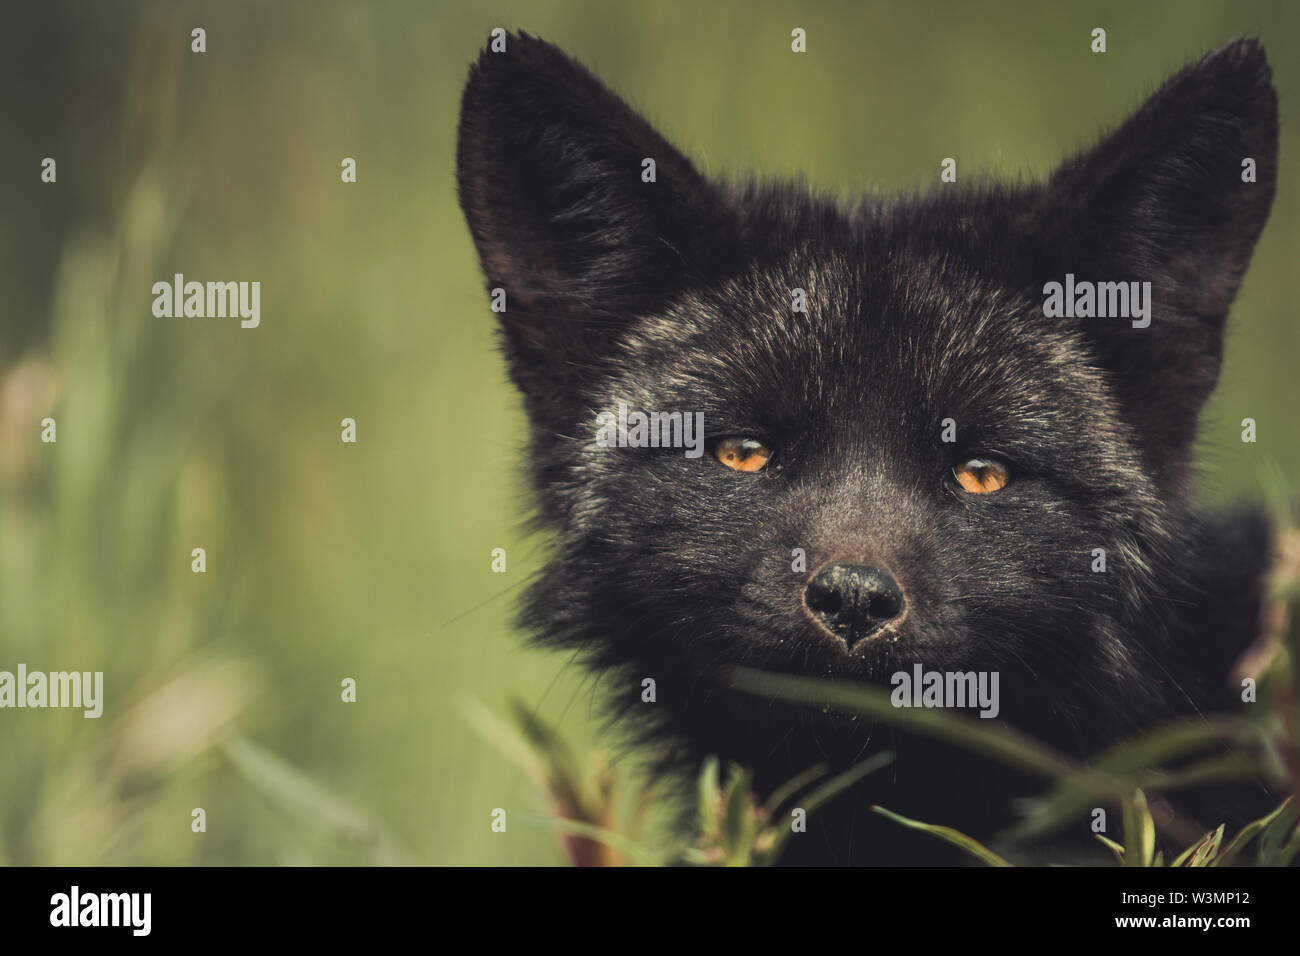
[
  {"x": 1205, "y": 853},
  {"x": 1112, "y": 846},
  {"x": 1139, "y": 831},
  {"x": 710, "y": 796},
  {"x": 1273, "y": 839},
  {"x": 825, "y": 792},
  {"x": 781, "y": 794},
  {"x": 948, "y": 835},
  {"x": 616, "y": 841},
  {"x": 738, "y": 820},
  {"x": 298, "y": 794},
  {"x": 1249, "y": 831}
]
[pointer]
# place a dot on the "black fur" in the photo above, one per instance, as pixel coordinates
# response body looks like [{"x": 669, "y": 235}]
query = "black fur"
[{"x": 675, "y": 295}]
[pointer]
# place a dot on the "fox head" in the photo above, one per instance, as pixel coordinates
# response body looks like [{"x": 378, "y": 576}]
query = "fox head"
[{"x": 906, "y": 458}]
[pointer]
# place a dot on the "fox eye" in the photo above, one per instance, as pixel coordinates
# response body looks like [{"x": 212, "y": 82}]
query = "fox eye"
[
  {"x": 741, "y": 454},
  {"x": 980, "y": 476}
]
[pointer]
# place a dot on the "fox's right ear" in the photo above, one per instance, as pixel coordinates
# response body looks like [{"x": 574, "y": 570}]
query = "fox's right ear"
[
  {"x": 1177, "y": 196},
  {"x": 567, "y": 217}
]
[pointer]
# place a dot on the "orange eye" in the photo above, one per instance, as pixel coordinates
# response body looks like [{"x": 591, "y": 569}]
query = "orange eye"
[
  {"x": 742, "y": 454},
  {"x": 980, "y": 476}
]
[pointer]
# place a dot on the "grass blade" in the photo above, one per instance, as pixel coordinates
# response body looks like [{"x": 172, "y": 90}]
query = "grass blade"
[
  {"x": 615, "y": 841},
  {"x": 837, "y": 784},
  {"x": 1205, "y": 853},
  {"x": 1139, "y": 831},
  {"x": 1112, "y": 846},
  {"x": 948, "y": 835},
  {"x": 1249, "y": 831},
  {"x": 300, "y": 796}
]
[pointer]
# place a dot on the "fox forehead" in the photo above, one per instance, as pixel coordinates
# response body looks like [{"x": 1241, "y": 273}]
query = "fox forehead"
[{"x": 818, "y": 322}]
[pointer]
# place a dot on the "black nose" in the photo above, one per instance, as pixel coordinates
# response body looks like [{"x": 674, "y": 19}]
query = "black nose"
[{"x": 853, "y": 600}]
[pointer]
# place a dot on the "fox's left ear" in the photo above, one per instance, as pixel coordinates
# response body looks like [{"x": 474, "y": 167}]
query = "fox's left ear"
[
  {"x": 583, "y": 213},
  {"x": 1177, "y": 197}
]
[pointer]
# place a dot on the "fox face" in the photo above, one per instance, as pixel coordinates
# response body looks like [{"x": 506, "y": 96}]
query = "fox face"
[{"x": 908, "y": 455}]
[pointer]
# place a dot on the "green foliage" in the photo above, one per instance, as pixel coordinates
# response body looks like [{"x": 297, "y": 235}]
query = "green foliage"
[{"x": 948, "y": 835}]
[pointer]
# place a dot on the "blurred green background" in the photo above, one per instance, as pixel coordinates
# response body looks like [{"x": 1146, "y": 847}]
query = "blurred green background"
[{"x": 372, "y": 561}]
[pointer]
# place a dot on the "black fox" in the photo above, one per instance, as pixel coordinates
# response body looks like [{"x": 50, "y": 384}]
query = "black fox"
[{"x": 885, "y": 393}]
